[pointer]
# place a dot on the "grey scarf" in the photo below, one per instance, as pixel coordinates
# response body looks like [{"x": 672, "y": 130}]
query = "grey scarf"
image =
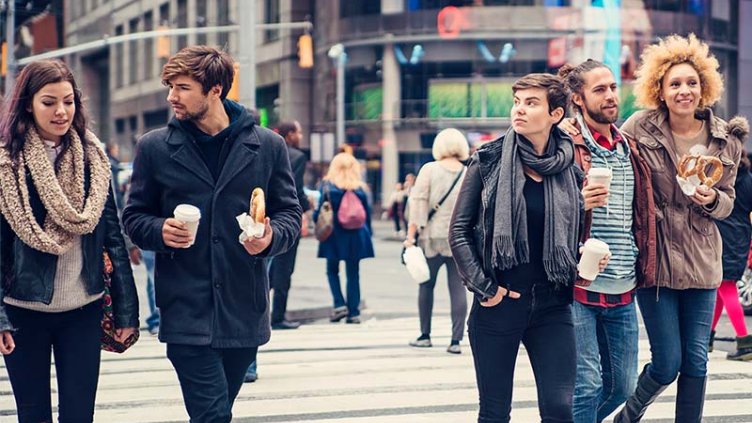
[{"x": 562, "y": 208}]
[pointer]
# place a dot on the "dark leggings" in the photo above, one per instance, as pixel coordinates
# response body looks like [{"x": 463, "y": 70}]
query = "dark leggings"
[
  {"x": 74, "y": 337},
  {"x": 543, "y": 323},
  {"x": 457, "y": 296}
]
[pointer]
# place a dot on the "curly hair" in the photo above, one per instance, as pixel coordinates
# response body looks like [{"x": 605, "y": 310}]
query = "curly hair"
[{"x": 657, "y": 59}]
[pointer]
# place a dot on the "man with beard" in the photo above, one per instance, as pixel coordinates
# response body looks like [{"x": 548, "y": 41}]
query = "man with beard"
[
  {"x": 212, "y": 290},
  {"x": 621, "y": 215}
]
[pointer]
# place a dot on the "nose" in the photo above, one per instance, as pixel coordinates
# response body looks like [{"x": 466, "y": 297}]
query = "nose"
[
  {"x": 171, "y": 95},
  {"x": 60, "y": 110}
]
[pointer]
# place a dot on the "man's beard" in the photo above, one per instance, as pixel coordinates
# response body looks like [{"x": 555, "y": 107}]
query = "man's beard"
[
  {"x": 600, "y": 117},
  {"x": 197, "y": 115}
]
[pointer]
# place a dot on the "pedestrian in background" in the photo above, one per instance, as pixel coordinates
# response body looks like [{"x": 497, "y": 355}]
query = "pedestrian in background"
[
  {"x": 432, "y": 201},
  {"x": 514, "y": 236},
  {"x": 394, "y": 207},
  {"x": 736, "y": 234},
  {"x": 348, "y": 245},
  {"x": 283, "y": 265},
  {"x": 58, "y": 217},
  {"x": 212, "y": 291},
  {"x": 677, "y": 83}
]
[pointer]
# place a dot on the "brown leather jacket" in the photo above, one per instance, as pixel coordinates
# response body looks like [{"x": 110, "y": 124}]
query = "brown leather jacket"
[
  {"x": 643, "y": 210},
  {"x": 688, "y": 241}
]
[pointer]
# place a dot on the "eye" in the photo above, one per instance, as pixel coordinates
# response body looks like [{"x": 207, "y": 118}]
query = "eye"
[
  {"x": 674, "y": 84},
  {"x": 693, "y": 83},
  {"x": 69, "y": 102},
  {"x": 48, "y": 103}
]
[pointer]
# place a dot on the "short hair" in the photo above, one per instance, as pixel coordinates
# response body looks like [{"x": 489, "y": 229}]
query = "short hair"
[
  {"x": 574, "y": 76},
  {"x": 556, "y": 93},
  {"x": 657, "y": 59},
  {"x": 285, "y": 127},
  {"x": 450, "y": 142},
  {"x": 207, "y": 65}
]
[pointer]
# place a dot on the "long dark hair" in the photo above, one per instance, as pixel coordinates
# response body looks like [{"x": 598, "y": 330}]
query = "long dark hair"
[{"x": 18, "y": 117}]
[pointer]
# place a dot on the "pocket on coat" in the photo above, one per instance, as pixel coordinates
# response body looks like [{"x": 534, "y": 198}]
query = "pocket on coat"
[{"x": 260, "y": 288}]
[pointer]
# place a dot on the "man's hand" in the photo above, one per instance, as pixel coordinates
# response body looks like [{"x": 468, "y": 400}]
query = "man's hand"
[
  {"x": 123, "y": 333},
  {"x": 7, "y": 345},
  {"x": 595, "y": 195},
  {"x": 704, "y": 196},
  {"x": 175, "y": 234},
  {"x": 570, "y": 126},
  {"x": 135, "y": 255},
  {"x": 501, "y": 292},
  {"x": 255, "y": 245}
]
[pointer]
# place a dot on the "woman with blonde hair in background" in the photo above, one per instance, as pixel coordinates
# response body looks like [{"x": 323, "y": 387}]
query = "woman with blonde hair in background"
[
  {"x": 432, "y": 201},
  {"x": 677, "y": 82},
  {"x": 350, "y": 241}
]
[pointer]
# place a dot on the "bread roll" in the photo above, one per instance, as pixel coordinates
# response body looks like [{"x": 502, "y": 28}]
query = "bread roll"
[{"x": 258, "y": 205}]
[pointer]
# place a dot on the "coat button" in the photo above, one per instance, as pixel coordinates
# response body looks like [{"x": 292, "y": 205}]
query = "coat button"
[{"x": 215, "y": 239}]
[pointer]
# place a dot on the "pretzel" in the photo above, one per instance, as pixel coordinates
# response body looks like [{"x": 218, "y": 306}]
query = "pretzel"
[
  {"x": 258, "y": 206},
  {"x": 713, "y": 164},
  {"x": 689, "y": 165}
]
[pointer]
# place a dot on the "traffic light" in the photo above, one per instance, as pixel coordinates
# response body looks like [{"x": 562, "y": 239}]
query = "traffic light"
[
  {"x": 305, "y": 51},
  {"x": 4, "y": 64},
  {"x": 163, "y": 44},
  {"x": 234, "y": 93}
]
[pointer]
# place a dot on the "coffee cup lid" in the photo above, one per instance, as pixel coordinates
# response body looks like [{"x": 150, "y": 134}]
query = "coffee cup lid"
[
  {"x": 187, "y": 210},
  {"x": 599, "y": 171}
]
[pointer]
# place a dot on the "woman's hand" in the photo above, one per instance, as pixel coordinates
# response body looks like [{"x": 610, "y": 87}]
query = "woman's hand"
[
  {"x": 501, "y": 292},
  {"x": 409, "y": 242},
  {"x": 704, "y": 196},
  {"x": 7, "y": 345},
  {"x": 570, "y": 126},
  {"x": 122, "y": 334}
]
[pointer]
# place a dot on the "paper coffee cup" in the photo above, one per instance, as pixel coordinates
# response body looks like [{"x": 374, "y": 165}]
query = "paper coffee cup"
[
  {"x": 600, "y": 175},
  {"x": 190, "y": 215},
  {"x": 592, "y": 252}
]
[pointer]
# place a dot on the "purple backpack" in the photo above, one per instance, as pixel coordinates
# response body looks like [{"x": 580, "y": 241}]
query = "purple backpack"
[{"x": 351, "y": 213}]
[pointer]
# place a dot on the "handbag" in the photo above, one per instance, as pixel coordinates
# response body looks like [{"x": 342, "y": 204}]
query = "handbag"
[
  {"x": 109, "y": 343},
  {"x": 325, "y": 222},
  {"x": 433, "y": 210}
]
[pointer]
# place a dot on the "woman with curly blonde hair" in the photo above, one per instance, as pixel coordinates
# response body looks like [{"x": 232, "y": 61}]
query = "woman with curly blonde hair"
[
  {"x": 678, "y": 81},
  {"x": 343, "y": 188}
]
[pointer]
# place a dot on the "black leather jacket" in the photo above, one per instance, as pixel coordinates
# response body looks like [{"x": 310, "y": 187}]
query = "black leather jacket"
[{"x": 28, "y": 274}]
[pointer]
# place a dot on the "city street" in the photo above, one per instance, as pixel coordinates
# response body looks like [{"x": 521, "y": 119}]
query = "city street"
[{"x": 327, "y": 372}]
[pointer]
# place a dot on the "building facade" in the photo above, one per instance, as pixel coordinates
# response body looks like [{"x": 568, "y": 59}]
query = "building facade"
[{"x": 413, "y": 67}]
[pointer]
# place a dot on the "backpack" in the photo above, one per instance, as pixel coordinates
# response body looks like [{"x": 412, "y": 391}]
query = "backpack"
[{"x": 351, "y": 213}]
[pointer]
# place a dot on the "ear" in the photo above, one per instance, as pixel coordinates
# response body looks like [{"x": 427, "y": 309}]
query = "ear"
[
  {"x": 216, "y": 90},
  {"x": 558, "y": 114},
  {"x": 576, "y": 99}
]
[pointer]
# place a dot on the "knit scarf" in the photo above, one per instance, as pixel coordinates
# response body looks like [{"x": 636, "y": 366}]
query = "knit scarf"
[
  {"x": 70, "y": 212},
  {"x": 562, "y": 207}
]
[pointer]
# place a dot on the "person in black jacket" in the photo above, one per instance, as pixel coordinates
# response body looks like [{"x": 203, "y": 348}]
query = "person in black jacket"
[
  {"x": 736, "y": 234},
  {"x": 58, "y": 218},
  {"x": 212, "y": 291},
  {"x": 514, "y": 236},
  {"x": 283, "y": 266}
]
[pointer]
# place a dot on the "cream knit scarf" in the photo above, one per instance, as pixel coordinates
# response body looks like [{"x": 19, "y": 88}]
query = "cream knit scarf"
[{"x": 69, "y": 212}]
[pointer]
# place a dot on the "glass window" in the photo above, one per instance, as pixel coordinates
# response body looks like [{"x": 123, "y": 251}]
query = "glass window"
[
  {"x": 182, "y": 22},
  {"x": 271, "y": 15},
  {"x": 164, "y": 20},
  {"x": 133, "y": 53},
  {"x": 359, "y": 8},
  {"x": 149, "y": 46},
  {"x": 201, "y": 20},
  {"x": 223, "y": 18},
  {"x": 119, "y": 59}
]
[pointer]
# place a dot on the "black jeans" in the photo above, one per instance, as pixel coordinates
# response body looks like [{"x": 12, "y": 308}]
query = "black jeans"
[
  {"x": 74, "y": 337},
  {"x": 280, "y": 275},
  {"x": 542, "y": 320},
  {"x": 210, "y": 378}
]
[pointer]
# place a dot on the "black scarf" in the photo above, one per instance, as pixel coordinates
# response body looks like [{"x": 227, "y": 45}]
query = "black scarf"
[{"x": 562, "y": 198}]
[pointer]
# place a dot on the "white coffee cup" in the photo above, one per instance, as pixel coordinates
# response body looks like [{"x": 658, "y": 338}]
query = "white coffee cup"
[
  {"x": 190, "y": 215},
  {"x": 592, "y": 253},
  {"x": 600, "y": 175}
]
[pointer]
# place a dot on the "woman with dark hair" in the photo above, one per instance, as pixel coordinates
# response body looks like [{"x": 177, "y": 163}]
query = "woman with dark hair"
[
  {"x": 514, "y": 236},
  {"x": 736, "y": 234},
  {"x": 58, "y": 218}
]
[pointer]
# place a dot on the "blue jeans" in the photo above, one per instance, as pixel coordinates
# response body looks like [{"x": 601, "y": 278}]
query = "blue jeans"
[
  {"x": 153, "y": 320},
  {"x": 352, "y": 270},
  {"x": 678, "y": 324},
  {"x": 607, "y": 344}
]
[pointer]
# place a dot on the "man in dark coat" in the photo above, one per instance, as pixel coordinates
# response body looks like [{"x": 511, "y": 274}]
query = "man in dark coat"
[
  {"x": 212, "y": 291},
  {"x": 282, "y": 267}
]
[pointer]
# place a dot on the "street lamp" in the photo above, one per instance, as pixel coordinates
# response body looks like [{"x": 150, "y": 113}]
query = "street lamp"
[{"x": 337, "y": 53}]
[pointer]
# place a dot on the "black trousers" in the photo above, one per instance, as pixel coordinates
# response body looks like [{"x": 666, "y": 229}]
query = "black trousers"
[
  {"x": 210, "y": 379},
  {"x": 280, "y": 276},
  {"x": 542, "y": 320},
  {"x": 74, "y": 338}
]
